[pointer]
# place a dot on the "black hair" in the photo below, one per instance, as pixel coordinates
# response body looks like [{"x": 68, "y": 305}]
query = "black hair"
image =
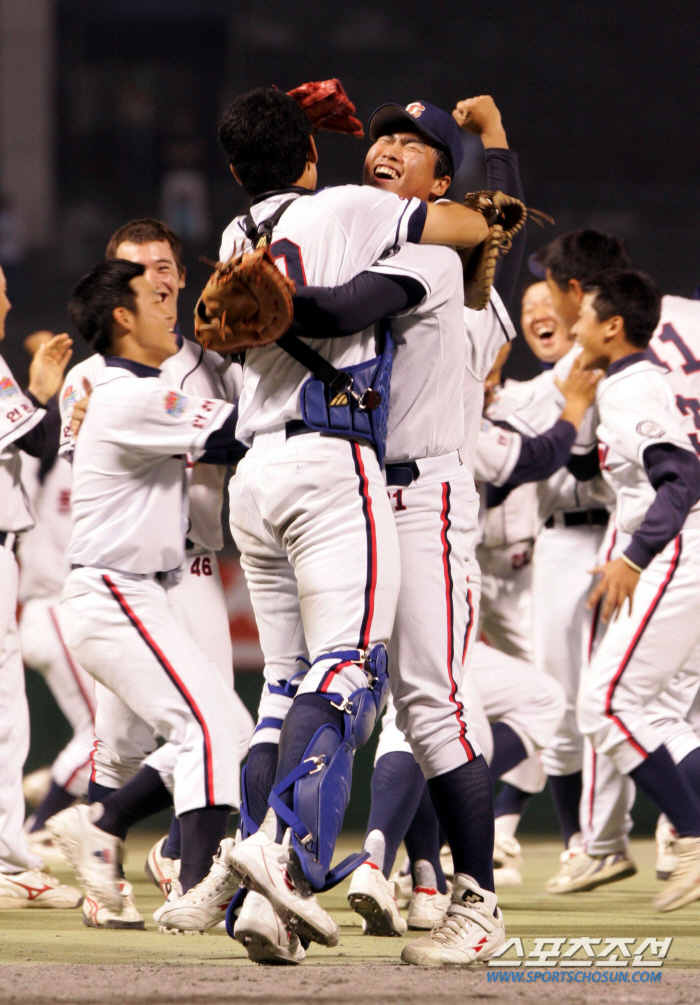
[
  {"x": 631, "y": 295},
  {"x": 143, "y": 232},
  {"x": 97, "y": 296},
  {"x": 581, "y": 253},
  {"x": 265, "y": 135},
  {"x": 443, "y": 163}
]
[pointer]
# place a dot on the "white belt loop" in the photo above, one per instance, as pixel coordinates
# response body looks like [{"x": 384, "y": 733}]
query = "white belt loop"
[{"x": 442, "y": 466}]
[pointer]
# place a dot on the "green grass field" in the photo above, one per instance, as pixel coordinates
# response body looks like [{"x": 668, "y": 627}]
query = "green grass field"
[{"x": 620, "y": 909}]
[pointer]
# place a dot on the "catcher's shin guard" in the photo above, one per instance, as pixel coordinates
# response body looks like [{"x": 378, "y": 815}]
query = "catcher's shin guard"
[{"x": 322, "y": 780}]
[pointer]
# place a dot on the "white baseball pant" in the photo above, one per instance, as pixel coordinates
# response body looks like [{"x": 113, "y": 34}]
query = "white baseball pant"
[
  {"x": 44, "y": 650},
  {"x": 506, "y": 598},
  {"x": 311, "y": 518},
  {"x": 563, "y": 559},
  {"x": 14, "y": 723},
  {"x": 641, "y": 653},
  {"x": 122, "y": 630},
  {"x": 198, "y": 604}
]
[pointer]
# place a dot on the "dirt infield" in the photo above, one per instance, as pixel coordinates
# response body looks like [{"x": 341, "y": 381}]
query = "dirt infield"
[{"x": 49, "y": 956}]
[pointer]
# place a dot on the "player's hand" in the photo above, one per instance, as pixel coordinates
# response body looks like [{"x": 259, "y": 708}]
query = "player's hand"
[
  {"x": 618, "y": 581},
  {"x": 80, "y": 409},
  {"x": 480, "y": 115},
  {"x": 48, "y": 365},
  {"x": 579, "y": 389}
]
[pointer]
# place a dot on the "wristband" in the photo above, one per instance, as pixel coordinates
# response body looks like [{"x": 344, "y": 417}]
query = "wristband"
[{"x": 631, "y": 564}]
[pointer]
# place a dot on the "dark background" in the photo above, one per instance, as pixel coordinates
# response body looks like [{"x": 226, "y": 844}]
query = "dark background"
[{"x": 600, "y": 101}]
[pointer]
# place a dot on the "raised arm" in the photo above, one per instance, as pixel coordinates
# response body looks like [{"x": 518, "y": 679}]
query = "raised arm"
[{"x": 454, "y": 225}]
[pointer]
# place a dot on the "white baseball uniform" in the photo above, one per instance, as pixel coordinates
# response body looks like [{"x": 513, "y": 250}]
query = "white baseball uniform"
[
  {"x": 310, "y": 513},
  {"x": 641, "y": 652},
  {"x": 198, "y": 600},
  {"x": 42, "y": 556},
  {"x": 18, "y": 416},
  {"x": 130, "y": 513}
]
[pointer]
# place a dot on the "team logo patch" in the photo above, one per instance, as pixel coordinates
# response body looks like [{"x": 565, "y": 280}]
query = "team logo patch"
[
  {"x": 7, "y": 387},
  {"x": 69, "y": 396},
  {"x": 174, "y": 403},
  {"x": 650, "y": 429},
  {"x": 415, "y": 109}
]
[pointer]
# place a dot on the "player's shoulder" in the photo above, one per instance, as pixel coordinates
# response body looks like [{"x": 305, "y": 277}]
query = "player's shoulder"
[
  {"x": 673, "y": 307},
  {"x": 638, "y": 379}
]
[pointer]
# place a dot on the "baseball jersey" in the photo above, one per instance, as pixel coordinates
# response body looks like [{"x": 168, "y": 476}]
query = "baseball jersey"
[
  {"x": 129, "y": 464},
  {"x": 676, "y": 345},
  {"x": 322, "y": 239},
  {"x": 17, "y": 416},
  {"x": 636, "y": 409},
  {"x": 485, "y": 332},
  {"x": 42, "y": 550},
  {"x": 206, "y": 376},
  {"x": 425, "y": 414}
]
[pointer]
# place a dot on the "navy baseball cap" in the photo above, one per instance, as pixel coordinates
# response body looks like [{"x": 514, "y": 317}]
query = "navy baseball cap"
[{"x": 419, "y": 117}]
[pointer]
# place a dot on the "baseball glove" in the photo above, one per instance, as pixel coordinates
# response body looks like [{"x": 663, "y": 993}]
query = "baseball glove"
[
  {"x": 506, "y": 217},
  {"x": 328, "y": 106},
  {"x": 246, "y": 303}
]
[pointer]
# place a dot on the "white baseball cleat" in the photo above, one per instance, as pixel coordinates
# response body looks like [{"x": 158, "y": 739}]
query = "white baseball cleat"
[
  {"x": 666, "y": 836},
  {"x": 41, "y": 843},
  {"x": 471, "y": 931},
  {"x": 265, "y": 866},
  {"x": 263, "y": 935},
  {"x": 204, "y": 905},
  {"x": 372, "y": 896},
  {"x": 34, "y": 888},
  {"x": 403, "y": 887},
  {"x": 36, "y": 786},
  {"x": 683, "y": 885},
  {"x": 162, "y": 871},
  {"x": 580, "y": 871},
  {"x": 428, "y": 907},
  {"x": 94, "y": 854},
  {"x": 96, "y": 915},
  {"x": 507, "y": 861}
]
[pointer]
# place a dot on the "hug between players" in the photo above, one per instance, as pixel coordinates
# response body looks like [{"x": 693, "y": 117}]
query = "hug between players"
[{"x": 500, "y": 578}]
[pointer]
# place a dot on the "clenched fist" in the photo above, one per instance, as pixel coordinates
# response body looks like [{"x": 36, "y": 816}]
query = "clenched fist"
[{"x": 480, "y": 115}]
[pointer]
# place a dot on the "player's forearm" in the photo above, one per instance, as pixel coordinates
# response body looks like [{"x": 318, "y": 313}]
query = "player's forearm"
[
  {"x": 221, "y": 446},
  {"x": 503, "y": 175},
  {"x": 331, "y": 312},
  {"x": 675, "y": 474},
  {"x": 44, "y": 437},
  {"x": 540, "y": 456},
  {"x": 454, "y": 225}
]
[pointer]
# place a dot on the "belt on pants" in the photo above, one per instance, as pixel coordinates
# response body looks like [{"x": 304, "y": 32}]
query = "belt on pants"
[
  {"x": 160, "y": 577},
  {"x": 579, "y": 518},
  {"x": 404, "y": 473}
]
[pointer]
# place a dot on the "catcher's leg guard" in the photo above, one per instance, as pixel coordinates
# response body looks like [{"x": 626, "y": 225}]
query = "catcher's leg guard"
[{"x": 322, "y": 780}]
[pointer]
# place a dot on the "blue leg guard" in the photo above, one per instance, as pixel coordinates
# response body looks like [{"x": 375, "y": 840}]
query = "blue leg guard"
[{"x": 323, "y": 778}]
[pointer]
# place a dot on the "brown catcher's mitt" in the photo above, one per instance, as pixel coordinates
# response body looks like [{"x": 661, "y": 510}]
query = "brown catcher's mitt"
[
  {"x": 246, "y": 303},
  {"x": 328, "y": 106},
  {"x": 506, "y": 217}
]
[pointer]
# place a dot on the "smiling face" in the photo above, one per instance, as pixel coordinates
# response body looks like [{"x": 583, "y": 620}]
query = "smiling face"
[
  {"x": 543, "y": 329},
  {"x": 404, "y": 163},
  {"x": 598, "y": 339},
  {"x": 161, "y": 268},
  {"x": 144, "y": 333}
]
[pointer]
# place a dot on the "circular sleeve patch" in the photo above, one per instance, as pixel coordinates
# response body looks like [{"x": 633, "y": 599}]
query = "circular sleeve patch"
[{"x": 651, "y": 429}]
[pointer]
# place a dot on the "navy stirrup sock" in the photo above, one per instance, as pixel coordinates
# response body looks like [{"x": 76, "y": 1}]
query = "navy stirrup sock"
[
  {"x": 203, "y": 831},
  {"x": 463, "y": 801},
  {"x": 508, "y": 749},
  {"x": 397, "y": 784},
  {"x": 97, "y": 793},
  {"x": 664, "y": 783},
  {"x": 510, "y": 800},
  {"x": 261, "y": 768},
  {"x": 141, "y": 797},
  {"x": 171, "y": 846},
  {"x": 423, "y": 838},
  {"x": 566, "y": 792},
  {"x": 55, "y": 800},
  {"x": 690, "y": 770}
]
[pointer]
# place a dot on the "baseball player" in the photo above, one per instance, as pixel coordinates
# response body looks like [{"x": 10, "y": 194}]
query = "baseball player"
[
  {"x": 123, "y": 741},
  {"x": 47, "y": 484},
  {"x": 25, "y": 424},
  {"x": 129, "y": 524},
  {"x": 652, "y": 466},
  {"x": 325, "y": 509}
]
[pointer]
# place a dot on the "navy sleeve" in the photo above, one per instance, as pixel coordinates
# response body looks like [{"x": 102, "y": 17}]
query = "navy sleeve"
[
  {"x": 503, "y": 175},
  {"x": 540, "y": 456},
  {"x": 584, "y": 466},
  {"x": 44, "y": 437},
  {"x": 221, "y": 446},
  {"x": 675, "y": 474},
  {"x": 331, "y": 312}
]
